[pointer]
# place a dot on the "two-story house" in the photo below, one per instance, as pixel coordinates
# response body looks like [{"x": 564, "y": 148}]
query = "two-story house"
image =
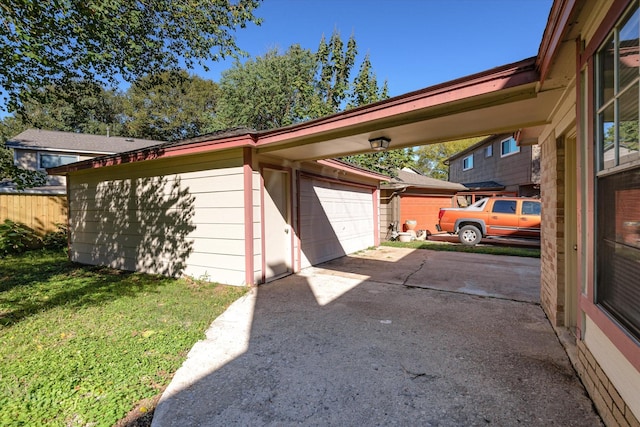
[
  {"x": 36, "y": 149},
  {"x": 498, "y": 164},
  {"x": 44, "y": 208}
]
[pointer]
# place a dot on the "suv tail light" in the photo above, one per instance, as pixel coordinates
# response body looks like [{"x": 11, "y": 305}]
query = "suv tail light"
[{"x": 440, "y": 213}]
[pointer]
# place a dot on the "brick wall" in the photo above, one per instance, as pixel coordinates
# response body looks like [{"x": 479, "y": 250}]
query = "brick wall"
[
  {"x": 552, "y": 230},
  {"x": 607, "y": 400}
]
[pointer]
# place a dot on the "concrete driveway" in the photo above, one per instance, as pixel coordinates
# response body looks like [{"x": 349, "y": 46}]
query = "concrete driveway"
[{"x": 388, "y": 336}]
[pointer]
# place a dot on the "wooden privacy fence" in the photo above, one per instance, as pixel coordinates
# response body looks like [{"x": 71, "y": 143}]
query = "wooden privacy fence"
[{"x": 40, "y": 212}]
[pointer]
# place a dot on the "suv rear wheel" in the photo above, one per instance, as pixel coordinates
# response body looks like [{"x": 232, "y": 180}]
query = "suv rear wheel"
[{"x": 469, "y": 235}]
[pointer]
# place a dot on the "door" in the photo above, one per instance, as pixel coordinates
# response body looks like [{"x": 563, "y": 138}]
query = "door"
[
  {"x": 335, "y": 219},
  {"x": 503, "y": 220},
  {"x": 277, "y": 233}
]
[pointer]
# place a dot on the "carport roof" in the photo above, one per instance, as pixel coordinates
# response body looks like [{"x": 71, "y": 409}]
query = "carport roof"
[{"x": 503, "y": 99}]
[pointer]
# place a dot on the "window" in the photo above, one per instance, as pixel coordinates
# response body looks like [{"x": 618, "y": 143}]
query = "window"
[
  {"x": 618, "y": 173},
  {"x": 508, "y": 147},
  {"x": 53, "y": 160},
  {"x": 504, "y": 206},
  {"x": 488, "y": 151},
  {"x": 467, "y": 163},
  {"x": 530, "y": 208}
]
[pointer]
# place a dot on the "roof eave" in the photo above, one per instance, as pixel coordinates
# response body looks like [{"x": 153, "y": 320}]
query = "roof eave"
[{"x": 156, "y": 152}]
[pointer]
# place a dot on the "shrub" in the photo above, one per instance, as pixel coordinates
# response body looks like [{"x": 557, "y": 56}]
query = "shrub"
[
  {"x": 16, "y": 238},
  {"x": 56, "y": 239}
]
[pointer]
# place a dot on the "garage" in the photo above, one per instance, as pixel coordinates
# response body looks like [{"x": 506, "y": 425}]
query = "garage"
[
  {"x": 336, "y": 219},
  {"x": 413, "y": 196}
]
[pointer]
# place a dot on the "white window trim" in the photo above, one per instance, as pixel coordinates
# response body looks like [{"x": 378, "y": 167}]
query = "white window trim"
[
  {"x": 463, "y": 162},
  {"x": 511, "y": 153}
]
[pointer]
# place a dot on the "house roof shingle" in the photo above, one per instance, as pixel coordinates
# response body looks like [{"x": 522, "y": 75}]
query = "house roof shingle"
[
  {"x": 407, "y": 178},
  {"x": 39, "y": 139}
]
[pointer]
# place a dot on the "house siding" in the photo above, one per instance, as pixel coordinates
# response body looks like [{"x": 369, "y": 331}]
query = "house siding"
[
  {"x": 512, "y": 171},
  {"x": 28, "y": 159},
  {"x": 604, "y": 358},
  {"x": 166, "y": 217}
]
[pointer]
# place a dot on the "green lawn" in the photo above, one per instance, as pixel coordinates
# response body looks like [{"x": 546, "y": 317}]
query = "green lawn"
[
  {"x": 81, "y": 345},
  {"x": 455, "y": 247}
]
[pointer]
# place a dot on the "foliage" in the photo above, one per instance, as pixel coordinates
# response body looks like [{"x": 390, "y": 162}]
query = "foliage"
[
  {"x": 44, "y": 43},
  {"x": 22, "y": 178},
  {"x": 56, "y": 239},
  {"x": 81, "y": 345},
  {"x": 430, "y": 158},
  {"x": 335, "y": 62},
  {"x": 81, "y": 106},
  {"x": 278, "y": 90},
  {"x": 479, "y": 249},
  {"x": 384, "y": 162},
  {"x": 16, "y": 238},
  {"x": 169, "y": 106},
  {"x": 365, "y": 86},
  {"x": 268, "y": 92}
]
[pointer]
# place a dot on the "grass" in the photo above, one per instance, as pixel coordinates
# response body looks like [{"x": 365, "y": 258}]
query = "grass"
[
  {"x": 81, "y": 345},
  {"x": 454, "y": 247}
]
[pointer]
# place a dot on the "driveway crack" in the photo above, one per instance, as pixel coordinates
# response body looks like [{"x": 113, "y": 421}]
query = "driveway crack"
[{"x": 409, "y": 276}]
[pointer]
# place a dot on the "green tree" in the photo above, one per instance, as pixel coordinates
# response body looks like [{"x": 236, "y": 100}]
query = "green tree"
[
  {"x": 365, "y": 88},
  {"x": 85, "y": 107},
  {"x": 268, "y": 92},
  {"x": 384, "y": 162},
  {"x": 168, "y": 106},
  {"x": 58, "y": 42},
  {"x": 430, "y": 158},
  {"x": 335, "y": 62}
]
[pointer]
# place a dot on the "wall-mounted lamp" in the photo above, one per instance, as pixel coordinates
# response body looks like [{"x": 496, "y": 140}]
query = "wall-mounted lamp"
[{"x": 380, "y": 143}]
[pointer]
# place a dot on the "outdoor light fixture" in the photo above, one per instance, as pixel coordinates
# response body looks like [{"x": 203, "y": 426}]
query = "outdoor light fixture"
[{"x": 380, "y": 143}]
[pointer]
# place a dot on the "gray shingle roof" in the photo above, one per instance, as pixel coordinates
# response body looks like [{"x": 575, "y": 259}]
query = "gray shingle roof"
[
  {"x": 80, "y": 142},
  {"x": 412, "y": 179}
]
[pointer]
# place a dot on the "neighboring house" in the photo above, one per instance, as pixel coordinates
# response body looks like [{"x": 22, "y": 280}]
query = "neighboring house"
[
  {"x": 413, "y": 196},
  {"x": 36, "y": 149},
  {"x": 498, "y": 163},
  {"x": 214, "y": 202}
]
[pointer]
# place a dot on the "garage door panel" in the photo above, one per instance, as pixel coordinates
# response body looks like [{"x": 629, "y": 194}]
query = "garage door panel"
[{"x": 335, "y": 220}]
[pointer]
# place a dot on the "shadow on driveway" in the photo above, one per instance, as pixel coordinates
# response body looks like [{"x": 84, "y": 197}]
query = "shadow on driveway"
[{"x": 387, "y": 336}]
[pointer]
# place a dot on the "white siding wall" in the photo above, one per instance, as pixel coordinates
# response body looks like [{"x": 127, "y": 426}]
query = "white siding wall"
[{"x": 167, "y": 216}]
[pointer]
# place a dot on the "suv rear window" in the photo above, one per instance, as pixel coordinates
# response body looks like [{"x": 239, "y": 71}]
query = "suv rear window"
[{"x": 530, "y": 208}]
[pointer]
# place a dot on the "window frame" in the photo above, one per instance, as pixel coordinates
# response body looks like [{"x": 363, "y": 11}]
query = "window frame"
[
  {"x": 466, "y": 167},
  {"x": 488, "y": 151},
  {"x": 607, "y": 169},
  {"x": 58, "y": 155},
  {"x": 516, "y": 149}
]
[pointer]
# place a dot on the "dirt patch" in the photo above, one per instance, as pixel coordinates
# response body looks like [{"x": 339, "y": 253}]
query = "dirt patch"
[{"x": 142, "y": 414}]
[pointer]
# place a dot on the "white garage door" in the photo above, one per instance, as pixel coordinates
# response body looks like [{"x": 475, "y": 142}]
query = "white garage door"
[{"x": 335, "y": 220}]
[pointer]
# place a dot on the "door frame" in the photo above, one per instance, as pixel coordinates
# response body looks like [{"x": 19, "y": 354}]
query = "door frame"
[{"x": 286, "y": 174}]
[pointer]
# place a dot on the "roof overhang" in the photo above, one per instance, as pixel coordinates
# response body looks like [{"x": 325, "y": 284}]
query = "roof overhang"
[{"x": 501, "y": 100}]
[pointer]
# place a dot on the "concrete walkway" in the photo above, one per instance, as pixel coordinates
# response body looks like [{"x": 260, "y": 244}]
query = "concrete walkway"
[{"x": 385, "y": 337}]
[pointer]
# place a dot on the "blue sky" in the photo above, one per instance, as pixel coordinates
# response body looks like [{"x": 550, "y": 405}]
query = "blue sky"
[{"x": 412, "y": 43}]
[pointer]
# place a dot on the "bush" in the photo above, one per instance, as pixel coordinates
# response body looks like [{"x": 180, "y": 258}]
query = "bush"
[
  {"x": 16, "y": 238},
  {"x": 56, "y": 239}
]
